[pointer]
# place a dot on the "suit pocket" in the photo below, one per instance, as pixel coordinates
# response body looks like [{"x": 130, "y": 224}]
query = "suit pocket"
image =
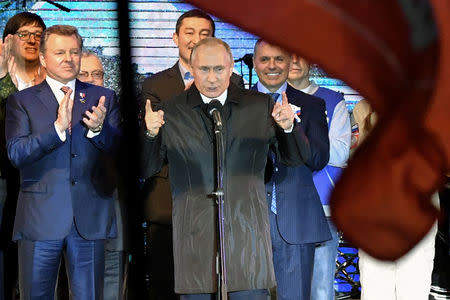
[{"x": 33, "y": 186}]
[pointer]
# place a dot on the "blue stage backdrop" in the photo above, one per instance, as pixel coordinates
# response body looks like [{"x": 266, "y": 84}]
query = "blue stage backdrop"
[{"x": 152, "y": 26}]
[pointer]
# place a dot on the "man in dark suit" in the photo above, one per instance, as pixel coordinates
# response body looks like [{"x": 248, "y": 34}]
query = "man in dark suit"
[
  {"x": 296, "y": 216},
  {"x": 251, "y": 122},
  {"x": 191, "y": 27},
  {"x": 59, "y": 134}
]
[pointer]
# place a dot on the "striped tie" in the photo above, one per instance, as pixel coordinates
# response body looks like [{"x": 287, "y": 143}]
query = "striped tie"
[{"x": 65, "y": 90}]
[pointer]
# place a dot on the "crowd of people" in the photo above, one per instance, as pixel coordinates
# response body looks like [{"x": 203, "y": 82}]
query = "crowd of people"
[{"x": 286, "y": 141}]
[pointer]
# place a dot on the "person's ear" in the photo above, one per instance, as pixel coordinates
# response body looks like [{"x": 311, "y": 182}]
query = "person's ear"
[
  {"x": 175, "y": 38},
  {"x": 42, "y": 59}
]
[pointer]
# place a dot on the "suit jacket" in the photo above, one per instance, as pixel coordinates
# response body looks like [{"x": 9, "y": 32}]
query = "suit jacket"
[
  {"x": 159, "y": 88},
  {"x": 300, "y": 217},
  {"x": 61, "y": 182},
  {"x": 188, "y": 146}
]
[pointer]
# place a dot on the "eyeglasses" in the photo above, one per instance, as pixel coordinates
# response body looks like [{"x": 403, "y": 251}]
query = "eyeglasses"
[
  {"x": 94, "y": 74},
  {"x": 26, "y": 35}
]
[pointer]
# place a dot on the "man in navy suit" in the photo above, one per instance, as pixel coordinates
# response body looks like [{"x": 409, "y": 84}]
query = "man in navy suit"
[
  {"x": 59, "y": 135},
  {"x": 297, "y": 220}
]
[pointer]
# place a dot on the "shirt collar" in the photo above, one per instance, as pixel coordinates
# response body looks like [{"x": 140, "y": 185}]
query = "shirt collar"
[
  {"x": 221, "y": 98},
  {"x": 56, "y": 86},
  {"x": 21, "y": 85},
  {"x": 263, "y": 89},
  {"x": 183, "y": 72},
  {"x": 311, "y": 88}
]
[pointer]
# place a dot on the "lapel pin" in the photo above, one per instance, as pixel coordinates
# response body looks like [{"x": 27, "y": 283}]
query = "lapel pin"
[
  {"x": 82, "y": 97},
  {"x": 297, "y": 111}
]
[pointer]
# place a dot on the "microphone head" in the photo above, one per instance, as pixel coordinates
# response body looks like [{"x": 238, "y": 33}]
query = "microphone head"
[{"x": 214, "y": 105}]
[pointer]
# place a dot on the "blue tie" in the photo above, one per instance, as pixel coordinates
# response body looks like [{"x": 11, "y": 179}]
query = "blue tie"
[
  {"x": 274, "y": 96},
  {"x": 188, "y": 76},
  {"x": 273, "y": 204}
]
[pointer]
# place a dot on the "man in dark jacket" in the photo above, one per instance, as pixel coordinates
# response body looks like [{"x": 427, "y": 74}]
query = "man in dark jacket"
[
  {"x": 252, "y": 123},
  {"x": 191, "y": 27}
]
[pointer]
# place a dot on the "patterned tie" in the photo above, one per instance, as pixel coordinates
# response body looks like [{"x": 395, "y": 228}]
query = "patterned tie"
[
  {"x": 65, "y": 89},
  {"x": 273, "y": 204}
]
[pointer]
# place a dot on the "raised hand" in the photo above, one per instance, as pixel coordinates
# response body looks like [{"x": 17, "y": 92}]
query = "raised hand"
[
  {"x": 64, "y": 112},
  {"x": 283, "y": 114},
  {"x": 153, "y": 119},
  {"x": 12, "y": 70},
  {"x": 5, "y": 55},
  {"x": 94, "y": 120}
]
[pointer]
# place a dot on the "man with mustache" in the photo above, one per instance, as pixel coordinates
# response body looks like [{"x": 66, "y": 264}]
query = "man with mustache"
[
  {"x": 297, "y": 221},
  {"x": 58, "y": 134}
]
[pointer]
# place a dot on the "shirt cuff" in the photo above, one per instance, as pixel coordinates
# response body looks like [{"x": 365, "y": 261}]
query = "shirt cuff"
[
  {"x": 90, "y": 134},
  {"x": 290, "y": 129},
  {"x": 62, "y": 135}
]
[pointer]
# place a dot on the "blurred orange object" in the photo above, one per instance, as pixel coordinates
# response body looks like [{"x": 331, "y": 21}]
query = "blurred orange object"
[{"x": 397, "y": 54}]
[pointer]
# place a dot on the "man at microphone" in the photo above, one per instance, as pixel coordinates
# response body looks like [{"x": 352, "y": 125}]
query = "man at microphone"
[{"x": 182, "y": 133}]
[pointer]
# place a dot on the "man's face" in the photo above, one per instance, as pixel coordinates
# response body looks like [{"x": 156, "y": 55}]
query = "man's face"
[
  {"x": 212, "y": 68},
  {"x": 299, "y": 69},
  {"x": 27, "y": 48},
  {"x": 272, "y": 66},
  {"x": 191, "y": 31},
  {"x": 91, "y": 70},
  {"x": 62, "y": 57}
]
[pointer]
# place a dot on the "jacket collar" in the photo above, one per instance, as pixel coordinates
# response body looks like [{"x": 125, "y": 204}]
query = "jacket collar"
[{"x": 194, "y": 99}]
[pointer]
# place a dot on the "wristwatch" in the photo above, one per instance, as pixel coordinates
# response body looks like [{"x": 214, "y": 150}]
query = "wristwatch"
[{"x": 98, "y": 129}]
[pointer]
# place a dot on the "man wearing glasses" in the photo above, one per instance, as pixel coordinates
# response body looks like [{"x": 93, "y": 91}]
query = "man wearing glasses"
[
  {"x": 19, "y": 68},
  {"x": 91, "y": 70}
]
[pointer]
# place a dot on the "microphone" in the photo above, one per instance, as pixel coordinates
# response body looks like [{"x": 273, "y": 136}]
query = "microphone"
[
  {"x": 214, "y": 109},
  {"x": 247, "y": 59}
]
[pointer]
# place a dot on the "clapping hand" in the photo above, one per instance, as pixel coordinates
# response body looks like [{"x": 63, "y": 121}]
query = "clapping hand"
[
  {"x": 94, "y": 120},
  {"x": 65, "y": 112},
  {"x": 5, "y": 55}
]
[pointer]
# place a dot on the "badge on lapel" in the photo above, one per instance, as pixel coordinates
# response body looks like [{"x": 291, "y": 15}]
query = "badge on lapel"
[
  {"x": 82, "y": 97},
  {"x": 297, "y": 112}
]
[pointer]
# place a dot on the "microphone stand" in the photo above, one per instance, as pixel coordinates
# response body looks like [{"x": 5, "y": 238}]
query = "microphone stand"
[
  {"x": 248, "y": 60},
  {"x": 219, "y": 195}
]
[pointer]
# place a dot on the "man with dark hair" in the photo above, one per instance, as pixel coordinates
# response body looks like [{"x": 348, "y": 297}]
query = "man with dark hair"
[
  {"x": 195, "y": 13},
  {"x": 191, "y": 27},
  {"x": 58, "y": 135},
  {"x": 297, "y": 221},
  {"x": 19, "y": 69},
  {"x": 252, "y": 123}
]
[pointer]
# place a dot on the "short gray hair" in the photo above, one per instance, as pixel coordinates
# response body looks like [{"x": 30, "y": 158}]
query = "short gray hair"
[{"x": 211, "y": 41}]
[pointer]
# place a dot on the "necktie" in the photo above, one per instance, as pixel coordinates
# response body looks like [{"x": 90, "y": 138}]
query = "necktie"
[
  {"x": 273, "y": 204},
  {"x": 274, "y": 96},
  {"x": 65, "y": 89},
  {"x": 188, "y": 76}
]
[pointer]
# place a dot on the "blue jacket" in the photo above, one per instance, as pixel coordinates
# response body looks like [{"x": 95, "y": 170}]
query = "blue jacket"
[
  {"x": 62, "y": 182},
  {"x": 300, "y": 217}
]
